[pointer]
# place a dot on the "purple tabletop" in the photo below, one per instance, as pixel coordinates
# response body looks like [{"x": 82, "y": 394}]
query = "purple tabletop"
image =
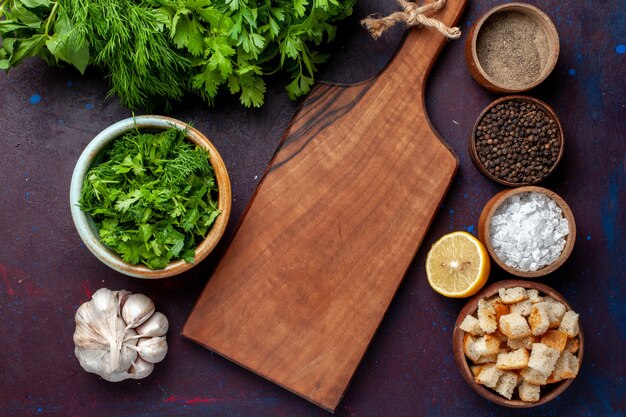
[{"x": 48, "y": 115}]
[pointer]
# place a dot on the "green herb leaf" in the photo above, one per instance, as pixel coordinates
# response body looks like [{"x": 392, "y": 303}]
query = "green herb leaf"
[
  {"x": 67, "y": 45},
  {"x": 299, "y": 86},
  {"x": 27, "y": 17},
  {"x": 7, "y": 26},
  {"x": 300, "y": 7},
  {"x": 34, "y": 3},
  {"x": 252, "y": 90},
  {"x": 27, "y": 47}
]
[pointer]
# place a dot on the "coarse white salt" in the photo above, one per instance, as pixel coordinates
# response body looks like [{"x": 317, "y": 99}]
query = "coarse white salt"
[{"x": 528, "y": 231}]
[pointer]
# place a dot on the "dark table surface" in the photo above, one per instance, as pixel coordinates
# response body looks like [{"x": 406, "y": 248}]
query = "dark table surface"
[{"x": 48, "y": 115}]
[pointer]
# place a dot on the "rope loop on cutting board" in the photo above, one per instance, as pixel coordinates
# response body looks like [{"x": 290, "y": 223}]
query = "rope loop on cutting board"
[{"x": 412, "y": 15}]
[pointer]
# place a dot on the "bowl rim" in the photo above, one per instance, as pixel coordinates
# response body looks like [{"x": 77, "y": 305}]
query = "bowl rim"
[
  {"x": 84, "y": 223},
  {"x": 471, "y": 143},
  {"x": 542, "y": 19},
  {"x": 492, "y": 205},
  {"x": 462, "y": 362}
]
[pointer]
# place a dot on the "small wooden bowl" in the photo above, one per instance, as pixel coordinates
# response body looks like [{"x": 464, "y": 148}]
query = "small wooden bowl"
[
  {"x": 548, "y": 60},
  {"x": 471, "y": 143},
  {"x": 548, "y": 392},
  {"x": 492, "y": 205},
  {"x": 85, "y": 224}
]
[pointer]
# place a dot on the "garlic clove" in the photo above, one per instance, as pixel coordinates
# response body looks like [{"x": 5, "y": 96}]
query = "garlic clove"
[
  {"x": 122, "y": 296},
  {"x": 137, "y": 309},
  {"x": 140, "y": 369},
  {"x": 131, "y": 338},
  {"x": 89, "y": 331},
  {"x": 104, "y": 300},
  {"x": 157, "y": 325},
  {"x": 90, "y": 359},
  {"x": 152, "y": 349}
]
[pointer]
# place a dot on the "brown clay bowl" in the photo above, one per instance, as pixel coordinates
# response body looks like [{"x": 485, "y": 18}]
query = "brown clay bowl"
[
  {"x": 548, "y": 392},
  {"x": 492, "y": 205},
  {"x": 472, "y": 140},
  {"x": 85, "y": 224},
  {"x": 551, "y": 47}
]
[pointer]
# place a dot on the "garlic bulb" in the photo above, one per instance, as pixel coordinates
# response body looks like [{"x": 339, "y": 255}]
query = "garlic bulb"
[{"x": 119, "y": 335}]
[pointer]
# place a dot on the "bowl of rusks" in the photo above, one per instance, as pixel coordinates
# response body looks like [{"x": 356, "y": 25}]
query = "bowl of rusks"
[{"x": 518, "y": 343}]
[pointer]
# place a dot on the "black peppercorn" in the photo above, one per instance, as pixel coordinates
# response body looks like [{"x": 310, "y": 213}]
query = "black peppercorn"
[{"x": 518, "y": 142}]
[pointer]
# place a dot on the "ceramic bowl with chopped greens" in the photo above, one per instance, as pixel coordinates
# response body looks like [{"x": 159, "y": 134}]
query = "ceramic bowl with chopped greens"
[{"x": 150, "y": 196}]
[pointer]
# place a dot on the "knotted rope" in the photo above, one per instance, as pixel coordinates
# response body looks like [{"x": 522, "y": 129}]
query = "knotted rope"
[{"x": 413, "y": 15}]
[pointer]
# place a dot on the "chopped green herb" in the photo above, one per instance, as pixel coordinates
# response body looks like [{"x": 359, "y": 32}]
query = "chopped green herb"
[{"x": 153, "y": 199}]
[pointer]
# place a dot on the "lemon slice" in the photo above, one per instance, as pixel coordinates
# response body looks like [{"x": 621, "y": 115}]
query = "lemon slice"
[{"x": 457, "y": 265}]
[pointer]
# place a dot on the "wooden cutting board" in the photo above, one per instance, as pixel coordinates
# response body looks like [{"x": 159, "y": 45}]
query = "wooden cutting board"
[{"x": 331, "y": 229}]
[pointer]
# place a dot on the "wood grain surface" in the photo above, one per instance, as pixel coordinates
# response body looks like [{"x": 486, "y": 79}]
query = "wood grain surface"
[{"x": 331, "y": 229}]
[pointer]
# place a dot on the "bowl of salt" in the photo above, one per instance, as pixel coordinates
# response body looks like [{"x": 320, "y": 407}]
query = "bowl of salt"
[{"x": 528, "y": 231}]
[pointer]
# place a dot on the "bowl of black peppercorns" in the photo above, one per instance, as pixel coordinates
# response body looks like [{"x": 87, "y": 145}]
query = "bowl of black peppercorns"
[{"x": 517, "y": 141}]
